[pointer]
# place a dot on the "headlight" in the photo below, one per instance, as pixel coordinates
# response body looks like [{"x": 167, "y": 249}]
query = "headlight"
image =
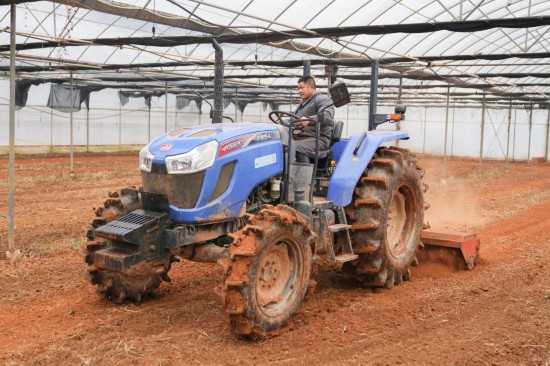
[
  {"x": 200, "y": 158},
  {"x": 145, "y": 159}
]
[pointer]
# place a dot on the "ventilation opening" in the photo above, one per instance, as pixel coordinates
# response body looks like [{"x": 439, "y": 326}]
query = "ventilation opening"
[{"x": 223, "y": 180}]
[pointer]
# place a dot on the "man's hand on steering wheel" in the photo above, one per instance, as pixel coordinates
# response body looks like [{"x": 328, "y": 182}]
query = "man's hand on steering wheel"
[
  {"x": 298, "y": 123},
  {"x": 277, "y": 117}
]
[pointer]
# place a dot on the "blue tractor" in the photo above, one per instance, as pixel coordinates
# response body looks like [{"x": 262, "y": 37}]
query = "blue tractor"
[{"x": 230, "y": 193}]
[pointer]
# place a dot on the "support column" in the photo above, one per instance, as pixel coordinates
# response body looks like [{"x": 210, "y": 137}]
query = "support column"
[
  {"x": 149, "y": 124},
  {"x": 373, "y": 93},
  {"x": 51, "y": 129},
  {"x": 515, "y": 128},
  {"x": 347, "y": 120},
  {"x": 88, "y": 129},
  {"x": 165, "y": 107},
  {"x": 530, "y": 129},
  {"x": 453, "y": 129},
  {"x": 176, "y": 114},
  {"x": 236, "y": 104},
  {"x": 119, "y": 125},
  {"x": 11, "y": 169},
  {"x": 508, "y": 132},
  {"x": 71, "y": 98},
  {"x": 547, "y": 136},
  {"x": 482, "y": 133},
  {"x": 445, "y": 141},
  {"x": 398, "y": 124},
  {"x": 424, "y": 134},
  {"x": 307, "y": 68}
]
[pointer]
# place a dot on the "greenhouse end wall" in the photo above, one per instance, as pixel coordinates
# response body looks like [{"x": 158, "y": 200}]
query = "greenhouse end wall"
[{"x": 108, "y": 125}]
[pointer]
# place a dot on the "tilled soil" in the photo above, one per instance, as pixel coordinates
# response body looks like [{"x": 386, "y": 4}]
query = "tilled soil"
[{"x": 499, "y": 313}]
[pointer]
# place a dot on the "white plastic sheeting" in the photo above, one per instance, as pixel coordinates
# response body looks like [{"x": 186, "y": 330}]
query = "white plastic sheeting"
[{"x": 113, "y": 125}]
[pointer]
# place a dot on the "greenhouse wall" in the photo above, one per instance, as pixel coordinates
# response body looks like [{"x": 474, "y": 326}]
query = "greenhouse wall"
[{"x": 110, "y": 125}]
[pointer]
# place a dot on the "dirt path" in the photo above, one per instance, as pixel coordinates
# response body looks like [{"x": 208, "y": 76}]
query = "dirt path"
[{"x": 497, "y": 314}]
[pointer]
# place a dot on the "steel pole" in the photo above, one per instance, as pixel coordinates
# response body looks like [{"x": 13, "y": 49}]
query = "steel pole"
[
  {"x": 424, "y": 135},
  {"x": 71, "y": 169},
  {"x": 51, "y": 129},
  {"x": 119, "y": 125},
  {"x": 547, "y": 136},
  {"x": 482, "y": 133},
  {"x": 236, "y": 105},
  {"x": 217, "y": 114},
  {"x": 166, "y": 106},
  {"x": 149, "y": 125},
  {"x": 11, "y": 169},
  {"x": 453, "y": 129},
  {"x": 307, "y": 68},
  {"x": 530, "y": 129},
  {"x": 373, "y": 93},
  {"x": 398, "y": 124},
  {"x": 515, "y": 128},
  {"x": 508, "y": 132},
  {"x": 88, "y": 128},
  {"x": 347, "y": 120},
  {"x": 446, "y": 130}
]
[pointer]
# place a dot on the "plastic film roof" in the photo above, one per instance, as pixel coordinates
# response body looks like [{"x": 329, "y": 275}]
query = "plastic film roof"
[{"x": 501, "y": 47}]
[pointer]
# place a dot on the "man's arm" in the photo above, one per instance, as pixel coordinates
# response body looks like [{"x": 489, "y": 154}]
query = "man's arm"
[{"x": 328, "y": 114}]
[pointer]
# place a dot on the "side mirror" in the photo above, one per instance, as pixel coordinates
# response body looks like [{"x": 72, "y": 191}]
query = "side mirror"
[
  {"x": 400, "y": 109},
  {"x": 339, "y": 94}
]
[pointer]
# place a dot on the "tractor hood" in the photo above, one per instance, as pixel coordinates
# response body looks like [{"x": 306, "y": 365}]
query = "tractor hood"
[
  {"x": 208, "y": 172},
  {"x": 230, "y": 136}
]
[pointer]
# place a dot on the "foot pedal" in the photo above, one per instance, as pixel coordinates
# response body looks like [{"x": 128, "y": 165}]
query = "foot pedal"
[
  {"x": 339, "y": 227},
  {"x": 346, "y": 257}
]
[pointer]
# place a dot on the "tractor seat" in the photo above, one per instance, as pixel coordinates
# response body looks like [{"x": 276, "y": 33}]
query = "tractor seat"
[
  {"x": 326, "y": 156},
  {"x": 336, "y": 132},
  {"x": 337, "y": 129}
]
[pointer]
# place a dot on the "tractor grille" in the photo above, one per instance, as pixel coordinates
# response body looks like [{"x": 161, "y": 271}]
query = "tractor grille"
[{"x": 182, "y": 189}]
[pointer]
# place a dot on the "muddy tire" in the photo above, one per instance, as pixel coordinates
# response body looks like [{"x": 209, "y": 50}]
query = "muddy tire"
[
  {"x": 386, "y": 214},
  {"x": 143, "y": 278},
  {"x": 268, "y": 275}
]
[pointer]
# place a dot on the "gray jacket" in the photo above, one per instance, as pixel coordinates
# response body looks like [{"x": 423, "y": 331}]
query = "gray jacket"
[{"x": 305, "y": 140}]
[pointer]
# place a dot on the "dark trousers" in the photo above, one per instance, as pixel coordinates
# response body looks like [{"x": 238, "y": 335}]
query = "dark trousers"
[{"x": 302, "y": 158}]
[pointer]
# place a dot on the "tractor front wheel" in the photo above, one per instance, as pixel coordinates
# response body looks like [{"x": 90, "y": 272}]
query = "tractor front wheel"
[{"x": 268, "y": 274}]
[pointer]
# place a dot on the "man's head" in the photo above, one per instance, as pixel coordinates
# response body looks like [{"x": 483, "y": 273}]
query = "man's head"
[{"x": 306, "y": 87}]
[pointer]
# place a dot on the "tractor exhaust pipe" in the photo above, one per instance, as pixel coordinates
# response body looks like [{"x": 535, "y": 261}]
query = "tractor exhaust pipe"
[{"x": 217, "y": 115}]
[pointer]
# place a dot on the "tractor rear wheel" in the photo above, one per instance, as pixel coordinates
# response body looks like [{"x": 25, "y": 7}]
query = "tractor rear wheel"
[
  {"x": 143, "y": 278},
  {"x": 268, "y": 274},
  {"x": 386, "y": 214}
]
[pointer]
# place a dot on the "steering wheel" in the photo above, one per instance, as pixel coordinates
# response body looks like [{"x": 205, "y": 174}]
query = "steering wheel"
[{"x": 276, "y": 117}]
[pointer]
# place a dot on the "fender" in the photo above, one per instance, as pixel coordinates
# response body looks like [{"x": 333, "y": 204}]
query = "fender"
[{"x": 350, "y": 166}]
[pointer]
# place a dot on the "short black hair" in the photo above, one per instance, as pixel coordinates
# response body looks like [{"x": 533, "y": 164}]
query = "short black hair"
[{"x": 308, "y": 80}]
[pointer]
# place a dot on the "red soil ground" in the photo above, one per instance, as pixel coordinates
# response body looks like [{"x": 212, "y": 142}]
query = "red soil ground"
[{"x": 497, "y": 314}]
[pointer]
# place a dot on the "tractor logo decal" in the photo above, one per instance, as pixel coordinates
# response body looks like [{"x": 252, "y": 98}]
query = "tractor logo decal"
[
  {"x": 240, "y": 142},
  {"x": 234, "y": 145},
  {"x": 165, "y": 147}
]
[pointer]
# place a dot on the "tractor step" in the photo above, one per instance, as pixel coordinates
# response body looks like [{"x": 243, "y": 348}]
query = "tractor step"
[
  {"x": 341, "y": 231},
  {"x": 467, "y": 244},
  {"x": 345, "y": 257},
  {"x": 339, "y": 227}
]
